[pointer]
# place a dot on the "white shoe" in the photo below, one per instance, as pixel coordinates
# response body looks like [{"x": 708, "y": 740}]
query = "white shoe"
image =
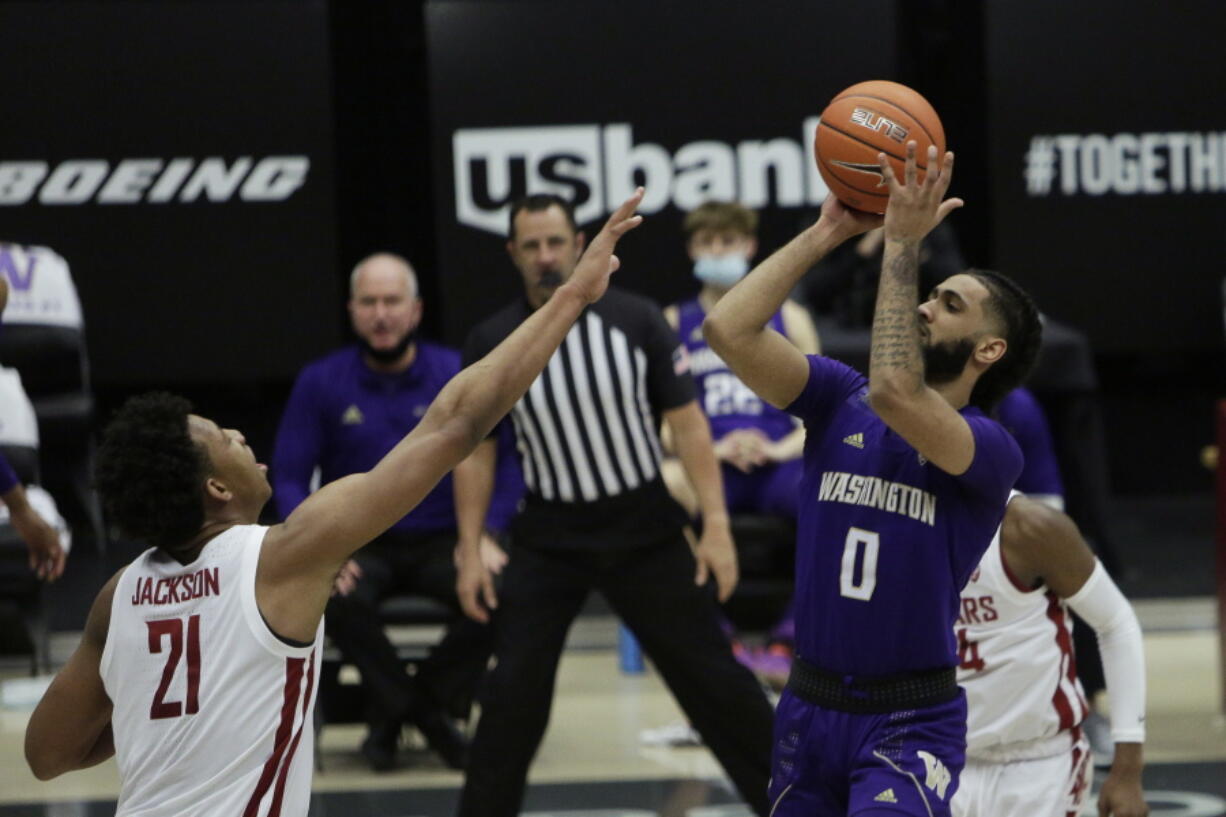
[{"x": 678, "y": 733}]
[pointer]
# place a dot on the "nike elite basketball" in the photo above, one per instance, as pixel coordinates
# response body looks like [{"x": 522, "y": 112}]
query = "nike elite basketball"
[{"x": 868, "y": 118}]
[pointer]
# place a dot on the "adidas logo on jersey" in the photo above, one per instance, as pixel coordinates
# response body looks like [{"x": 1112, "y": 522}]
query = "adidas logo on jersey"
[
  {"x": 886, "y": 796},
  {"x": 855, "y": 440},
  {"x": 352, "y": 416}
]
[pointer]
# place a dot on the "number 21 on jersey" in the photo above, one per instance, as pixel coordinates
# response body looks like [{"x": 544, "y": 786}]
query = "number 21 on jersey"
[
  {"x": 171, "y": 629},
  {"x": 859, "y": 550}
]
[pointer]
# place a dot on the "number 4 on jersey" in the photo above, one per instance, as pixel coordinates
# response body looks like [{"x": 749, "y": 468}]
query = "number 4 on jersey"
[
  {"x": 173, "y": 628},
  {"x": 968, "y": 653}
]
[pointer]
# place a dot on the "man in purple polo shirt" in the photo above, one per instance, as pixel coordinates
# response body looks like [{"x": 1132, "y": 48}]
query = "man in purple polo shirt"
[
  {"x": 347, "y": 410},
  {"x": 905, "y": 481}
]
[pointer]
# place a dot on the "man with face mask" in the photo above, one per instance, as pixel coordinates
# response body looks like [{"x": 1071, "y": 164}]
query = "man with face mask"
[
  {"x": 347, "y": 410},
  {"x": 758, "y": 445}
]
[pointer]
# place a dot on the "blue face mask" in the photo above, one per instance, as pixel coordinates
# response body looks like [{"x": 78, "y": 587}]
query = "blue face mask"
[{"x": 722, "y": 271}]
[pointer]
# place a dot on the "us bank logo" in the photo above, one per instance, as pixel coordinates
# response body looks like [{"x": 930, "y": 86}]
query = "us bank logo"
[{"x": 598, "y": 166}]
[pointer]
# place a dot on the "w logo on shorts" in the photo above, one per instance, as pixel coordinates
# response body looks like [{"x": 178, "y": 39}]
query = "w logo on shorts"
[{"x": 937, "y": 776}]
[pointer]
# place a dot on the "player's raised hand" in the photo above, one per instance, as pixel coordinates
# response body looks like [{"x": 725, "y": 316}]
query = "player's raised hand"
[
  {"x": 591, "y": 276},
  {"x": 916, "y": 207},
  {"x": 845, "y": 221}
]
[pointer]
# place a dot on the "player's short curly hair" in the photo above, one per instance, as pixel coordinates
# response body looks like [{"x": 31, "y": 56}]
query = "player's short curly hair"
[
  {"x": 149, "y": 471},
  {"x": 1019, "y": 322}
]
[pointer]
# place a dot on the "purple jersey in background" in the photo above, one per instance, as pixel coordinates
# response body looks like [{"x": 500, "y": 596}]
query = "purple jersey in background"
[
  {"x": 728, "y": 403},
  {"x": 886, "y": 540},
  {"x": 731, "y": 405},
  {"x": 1023, "y": 417}
]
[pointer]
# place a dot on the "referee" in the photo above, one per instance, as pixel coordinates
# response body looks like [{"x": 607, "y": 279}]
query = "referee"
[{"x": 598, "y": 516}]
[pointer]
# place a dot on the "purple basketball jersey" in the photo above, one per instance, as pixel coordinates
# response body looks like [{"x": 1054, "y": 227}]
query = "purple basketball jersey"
[
  {"x": 728, "y": 403},
  {"x": 885, "y": 539}
]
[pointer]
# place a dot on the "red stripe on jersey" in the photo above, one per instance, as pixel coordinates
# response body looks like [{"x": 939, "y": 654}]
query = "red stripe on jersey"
[
  {"x": 1083, "y": 707},
  {"x": 293, "y": 680},
  {"x": 1055, "y": 612},
  {"x": 275, "y": 809},
  {"x": 1077, "y": 788}
]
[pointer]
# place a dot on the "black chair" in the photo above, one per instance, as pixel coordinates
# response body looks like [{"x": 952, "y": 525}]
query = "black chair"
[
  {"x": 766, "y": 547},
  {"x": 54, "y": 370},
  {"x": 343, "y": 702}
]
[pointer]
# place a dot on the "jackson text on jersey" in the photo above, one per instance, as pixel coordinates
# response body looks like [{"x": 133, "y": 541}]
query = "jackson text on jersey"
[{"x": 177, "y": 589}]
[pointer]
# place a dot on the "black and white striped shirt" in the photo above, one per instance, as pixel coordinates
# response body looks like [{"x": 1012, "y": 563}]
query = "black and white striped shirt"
[{"x": 587, "y": 430}]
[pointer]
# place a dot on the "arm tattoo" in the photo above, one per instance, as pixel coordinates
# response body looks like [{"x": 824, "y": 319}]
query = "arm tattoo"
[{"x": 895, "y": 344}]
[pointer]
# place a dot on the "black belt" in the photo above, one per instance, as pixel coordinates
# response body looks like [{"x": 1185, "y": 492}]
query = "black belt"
[{"x": 893, "y": 693}]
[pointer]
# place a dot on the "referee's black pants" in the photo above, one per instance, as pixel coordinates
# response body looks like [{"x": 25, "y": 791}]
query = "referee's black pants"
[{"x": 652, "y": 589}]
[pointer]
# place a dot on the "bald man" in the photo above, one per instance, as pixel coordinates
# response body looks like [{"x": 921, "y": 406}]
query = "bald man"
[{"x": 346, "y": 411}]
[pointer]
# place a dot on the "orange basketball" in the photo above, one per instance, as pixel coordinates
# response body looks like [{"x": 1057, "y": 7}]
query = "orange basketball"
[{"x": 864, "y": 120}]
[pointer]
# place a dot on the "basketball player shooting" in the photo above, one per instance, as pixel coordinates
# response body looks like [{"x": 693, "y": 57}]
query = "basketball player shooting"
[
  {"x": 905, "y": 481},
  {"x": 198, "y": 661}
]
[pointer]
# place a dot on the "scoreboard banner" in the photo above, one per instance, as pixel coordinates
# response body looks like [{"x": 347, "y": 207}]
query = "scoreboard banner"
[
  {"x": 178, "y": 155},
  {"x": 1108, "y": 165},
  {"x": 588, "y": 100}
]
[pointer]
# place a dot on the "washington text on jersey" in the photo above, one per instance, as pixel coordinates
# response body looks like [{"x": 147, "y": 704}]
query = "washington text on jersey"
[{"x": 874, "y": 492}]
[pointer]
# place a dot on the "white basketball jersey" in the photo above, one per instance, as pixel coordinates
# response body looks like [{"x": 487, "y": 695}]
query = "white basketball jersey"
[
  {"x": 1016, "y": 661},
  {"x": 213, "y": 712}
]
